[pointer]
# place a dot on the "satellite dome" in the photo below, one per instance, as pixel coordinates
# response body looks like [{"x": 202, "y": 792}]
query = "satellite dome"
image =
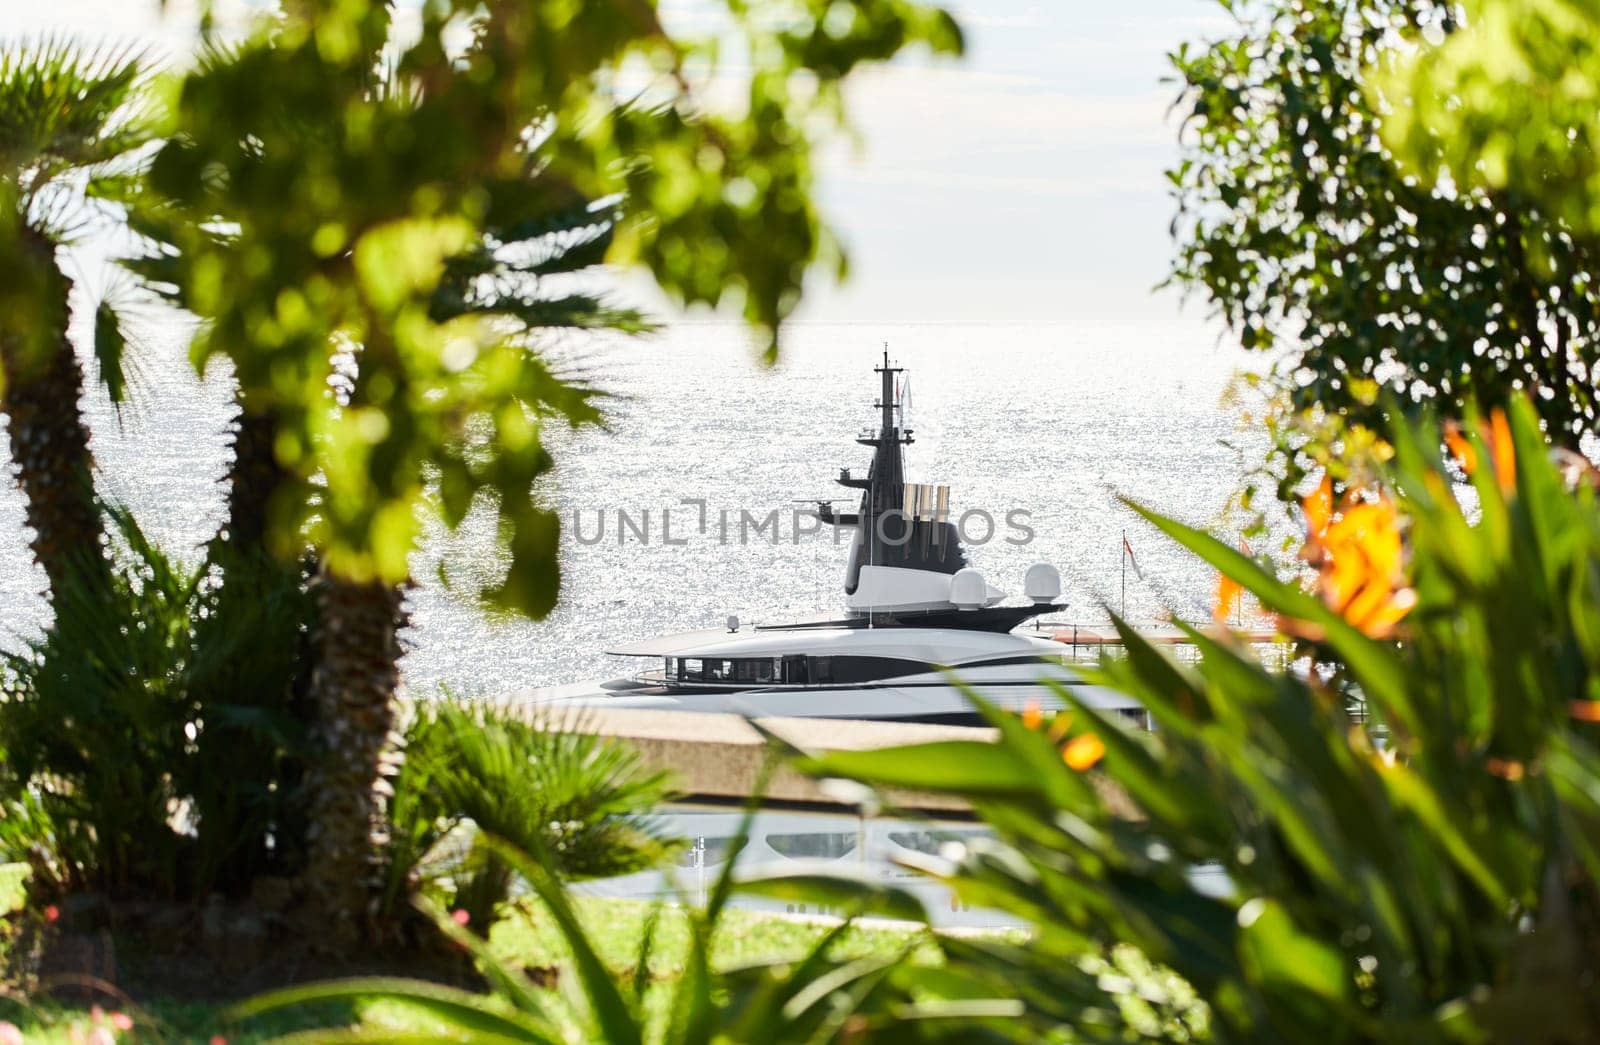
[
  {"x": 968, "y": 589},
  {"x": 1042, "y": 583}
]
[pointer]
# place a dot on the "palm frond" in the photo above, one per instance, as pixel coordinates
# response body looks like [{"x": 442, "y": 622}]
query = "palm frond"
[
  {"x": 541, "y": 786},
  {"x": 108, "y": 669},
  {"x": 118, "y": 370},
  {"x": 536, "y": 227},
  {"x": 68, "y": 107}
]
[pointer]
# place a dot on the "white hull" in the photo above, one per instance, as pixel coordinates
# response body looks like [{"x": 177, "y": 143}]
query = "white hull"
[{"x": 917, "y": 698}]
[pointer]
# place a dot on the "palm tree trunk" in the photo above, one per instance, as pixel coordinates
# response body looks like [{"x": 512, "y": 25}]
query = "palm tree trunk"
[
  {"x": 253, "y": 478},
  {"x": 252, "y": 818},
  {"x": 49, "y": 441},
  {"x": 352, "y": 693}
]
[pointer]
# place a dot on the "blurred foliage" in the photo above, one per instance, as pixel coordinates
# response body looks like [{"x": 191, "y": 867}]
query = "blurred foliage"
[
  {"x": 473, "y": 771},
  {"x": 1426, "y": 874},
  {"x": 819, "y": 996},
  {"x": 1511, "y": 101},
  {"x": 332, "y": 185},
  {"x": 1317, "y": 245}
]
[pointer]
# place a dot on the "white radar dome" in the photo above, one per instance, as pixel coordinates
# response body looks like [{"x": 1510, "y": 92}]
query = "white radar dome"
[
  {"x": 1042, "y": 583},
  {"x": 968, "y": 590}
]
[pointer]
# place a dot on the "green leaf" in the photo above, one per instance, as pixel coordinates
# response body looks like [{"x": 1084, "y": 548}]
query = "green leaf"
[
  {"x": 1277, "y": 954},
  {"x": 110, "y": 351},
  {"x": 964, "y": 767},
  {"x": 456, "y": 1008},
  {"x": 614, "y": 1016}
]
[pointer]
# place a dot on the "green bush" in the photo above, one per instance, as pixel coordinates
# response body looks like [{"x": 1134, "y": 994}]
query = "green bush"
[
  {"x": 93, "y": 720},
  {"x": 473, "y": 771},
  {"x": 1428, "y": 875},
  {"x": 151, "y": 754}
]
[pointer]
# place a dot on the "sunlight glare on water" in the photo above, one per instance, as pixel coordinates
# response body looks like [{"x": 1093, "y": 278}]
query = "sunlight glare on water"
[{"x": 1055, "y": 420}]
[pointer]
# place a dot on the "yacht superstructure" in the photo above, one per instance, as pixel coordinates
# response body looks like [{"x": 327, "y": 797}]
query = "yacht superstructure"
[{"x": 918, "y": 625}]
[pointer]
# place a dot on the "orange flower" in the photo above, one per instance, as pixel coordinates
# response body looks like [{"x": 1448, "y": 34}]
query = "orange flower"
[
  {"x": 1461, "y": 447},
  {"x": 1318, "y": 506},
  {"x": 1082, "y": 752},
  {"x": 1228, "y": 592},
  {"x": 1497, "y": 435},
  {"x": 1359, "y": 557},
  {"x": 1058, "y": 725},
  {"x": 1032, "y": 716},
  {"x": 1506, "y": 769},
  {"x": 1505, "y": 456},
  {"x": 1585, "y": 710}
]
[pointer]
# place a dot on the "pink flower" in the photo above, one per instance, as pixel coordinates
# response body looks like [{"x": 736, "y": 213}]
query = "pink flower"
[
  {"x": 460, "y": 917},
  {"x": 52, "y": 913},
  {"x": 217, "y": 1039},
  {"x": 121, "y": 1021},
  {"x": 10, "y": 1034}
]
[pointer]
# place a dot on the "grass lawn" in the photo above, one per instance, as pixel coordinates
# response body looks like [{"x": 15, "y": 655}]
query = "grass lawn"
[{"x": 526, "y": 937}]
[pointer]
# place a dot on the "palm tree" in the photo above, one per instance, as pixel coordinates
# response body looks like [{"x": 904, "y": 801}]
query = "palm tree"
[
  {"x": 250, "y": 671},
  {"x": 534, "y": 231},
  {"x": 69, "y": 122},
  {"x": 251, "y": 164}
]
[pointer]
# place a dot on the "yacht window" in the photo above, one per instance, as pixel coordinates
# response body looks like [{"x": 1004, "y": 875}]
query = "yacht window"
[
  {"x": 855, "y": 670},
  {"x": 931, "y": 841},
  {"x": 689, "y": 668},
  {"x": 745, "y": 670},
  {"x": 766, "y": 670},
  {"x": 794, "y": 671},
  {"x": 1139, "y": 718},
  {"x": 829, "y": 846},
  {"x": 719, "y": 670}
]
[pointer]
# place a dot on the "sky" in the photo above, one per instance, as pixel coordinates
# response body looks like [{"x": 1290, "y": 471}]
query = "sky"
[{"x": 1020, "y": 183}]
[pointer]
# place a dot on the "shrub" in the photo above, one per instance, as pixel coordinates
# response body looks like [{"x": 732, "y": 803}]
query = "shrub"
[
  {"x": 1428, "y": 875},
  {"x": 141, "y": 759},
  {"x": 473, "y": 771},
  {"x": 815, "y": 998},
  {"x": 93, "y": 720}
]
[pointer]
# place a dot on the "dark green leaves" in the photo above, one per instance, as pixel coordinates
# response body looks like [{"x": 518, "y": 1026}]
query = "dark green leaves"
[{"x": 110, "y": 351}]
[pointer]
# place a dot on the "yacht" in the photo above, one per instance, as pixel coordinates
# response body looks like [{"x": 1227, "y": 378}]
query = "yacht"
[{"x": 918, "y": 624}]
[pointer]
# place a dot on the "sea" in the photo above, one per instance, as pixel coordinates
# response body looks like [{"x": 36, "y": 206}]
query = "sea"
[{"x": 692, "y": 504}]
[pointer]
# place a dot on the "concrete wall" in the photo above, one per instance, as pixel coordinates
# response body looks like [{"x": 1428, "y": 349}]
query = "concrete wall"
[{"x": 720, "y": 758}]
